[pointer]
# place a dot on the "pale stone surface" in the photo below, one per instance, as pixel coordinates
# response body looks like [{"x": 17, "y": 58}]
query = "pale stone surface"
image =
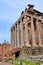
[
  {"x": 15, "y": 36},
  {"x": 33, "y": 33},
  {"x": 18, "y": 42},
  {"x": 33, "y": 38},
  {"x": 22, "y": 40},
  {"x": 39, "y": 34},
  {"x": 26, "y": 32}
]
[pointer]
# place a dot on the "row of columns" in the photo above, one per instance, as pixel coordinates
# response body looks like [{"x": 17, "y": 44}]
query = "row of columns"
[
  {"x": 15, "y": 38},
  {"x": 38, "y": 27}
]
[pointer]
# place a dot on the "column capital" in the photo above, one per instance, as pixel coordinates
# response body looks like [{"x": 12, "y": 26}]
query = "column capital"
[
  {"x": 12, "y": 29},
  {"x": 25, "y": 16},
  {"x": 21, "y": 19},
  {"x": 17, "y": 23},
  {"x": 15, "y": 28},
  {"x": 31, "y": 17}
]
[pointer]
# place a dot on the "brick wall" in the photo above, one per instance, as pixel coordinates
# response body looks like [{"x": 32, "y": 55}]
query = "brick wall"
[{"x": 4, "y": 48}]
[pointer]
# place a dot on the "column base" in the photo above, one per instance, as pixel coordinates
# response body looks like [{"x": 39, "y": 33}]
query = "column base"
[
  {"x": 35, "y": 45},
  {"x": 40, "y": 45},
  {"x": 27, "y": 45}
]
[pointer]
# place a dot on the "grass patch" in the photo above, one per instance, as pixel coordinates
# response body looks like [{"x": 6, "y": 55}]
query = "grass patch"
[
  {"x": 24, "y": 62},
  {"x": 17, "y": 60},
  {"x": 32, "y": 63},
  {"x": 41, "y": 62}
]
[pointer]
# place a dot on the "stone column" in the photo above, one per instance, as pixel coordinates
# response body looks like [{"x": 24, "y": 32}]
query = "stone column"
[
  {"x": 15, "y": 36},
  {"x": 12, "y": 38},
  {"x": 39, "y": 33},
  {"x": 18, "y": 43},
  {"x": 26, "y": 32},
  {"x": 33, "y": 33},
  {"x": 22, "y": 40}
]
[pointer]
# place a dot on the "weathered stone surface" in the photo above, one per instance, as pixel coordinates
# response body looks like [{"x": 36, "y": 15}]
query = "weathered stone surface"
[
  {"x": 30, "y": 29},
  {"x": 29, "y": 33},
  {"x": 30, "y": 51}
]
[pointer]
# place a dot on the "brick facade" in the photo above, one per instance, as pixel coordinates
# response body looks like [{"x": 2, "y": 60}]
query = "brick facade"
[{"x": 4, "y": 48}]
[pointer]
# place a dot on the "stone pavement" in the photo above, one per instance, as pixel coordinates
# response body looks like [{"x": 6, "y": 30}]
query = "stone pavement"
[{"x": 5, "y": 63}]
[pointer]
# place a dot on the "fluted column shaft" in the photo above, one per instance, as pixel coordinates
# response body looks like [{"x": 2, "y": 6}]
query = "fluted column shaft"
[
  {"x": 18, "y": 43},
  {"x": 26, "y": 32},
  {"x": 33, "y": 33},
  {"x": 41, "y": 32},
  {"x": 15, "y": 36},
  {"x": 22, "y": 40},
  {"x": 38, "y": 30},
  {"x": 12, "y": 38}
]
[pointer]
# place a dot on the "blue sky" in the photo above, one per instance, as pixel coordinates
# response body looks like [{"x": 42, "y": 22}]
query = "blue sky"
[{"x": 10, "y": 11}]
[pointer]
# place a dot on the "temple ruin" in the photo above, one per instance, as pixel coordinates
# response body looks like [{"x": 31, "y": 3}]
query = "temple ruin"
[{"x": 28, "y": 29}]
